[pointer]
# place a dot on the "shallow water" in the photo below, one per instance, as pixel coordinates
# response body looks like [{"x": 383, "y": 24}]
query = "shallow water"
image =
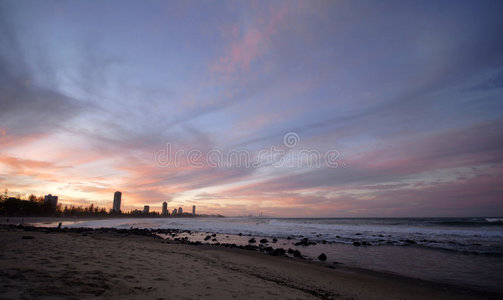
[{"x": 411, "y": 261}]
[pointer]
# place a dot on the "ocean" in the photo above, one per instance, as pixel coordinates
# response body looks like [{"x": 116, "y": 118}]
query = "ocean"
[{"x": 462, "y": 251}]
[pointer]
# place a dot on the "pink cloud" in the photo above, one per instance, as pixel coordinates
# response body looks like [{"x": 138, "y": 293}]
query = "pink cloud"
[
  {"x": 477, "y": 196},
  {"x": 253, "y": 43},
  {"x": 8, "y": 140}
]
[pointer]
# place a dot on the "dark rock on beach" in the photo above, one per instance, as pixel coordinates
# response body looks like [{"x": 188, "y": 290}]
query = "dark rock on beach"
[
  {"x": 278, "y": 252},
  {"x": 295, "y": 253},
  {"x": 263, "y": 241},
  {"x": 356, "y": 244},
  {"x": 252, "y": 240},
  {"x": 304, "y": 242},
  {"x": 269, "y": 249},
  {"x": 250, "y": 247},
  {"x": 322, "y": 257}
]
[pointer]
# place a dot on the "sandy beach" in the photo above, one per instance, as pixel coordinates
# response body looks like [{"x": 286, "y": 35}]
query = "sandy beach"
[{"x": 108, "y": 264}]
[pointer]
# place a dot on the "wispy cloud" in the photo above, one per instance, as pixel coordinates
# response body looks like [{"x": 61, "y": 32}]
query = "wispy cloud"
[{"x": 408, "y": 93}]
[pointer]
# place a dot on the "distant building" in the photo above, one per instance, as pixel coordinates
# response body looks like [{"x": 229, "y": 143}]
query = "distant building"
[
  {"x": 51, "y": 200},
  {"x": 117, "y": 201},
  {"x": 146, "y": 209},
  {"x": 164, "y": 208},
  {"x": 175, "y": 212},
  {"x": 193, "y": 210},
  {"x": 180, "y": 210}
]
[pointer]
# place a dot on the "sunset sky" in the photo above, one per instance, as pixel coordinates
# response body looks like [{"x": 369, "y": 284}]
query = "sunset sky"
[{"x": 398, "y": 105}]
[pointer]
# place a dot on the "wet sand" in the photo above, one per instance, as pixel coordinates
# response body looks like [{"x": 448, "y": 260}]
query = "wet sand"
[{"x": 109, "y": 264}]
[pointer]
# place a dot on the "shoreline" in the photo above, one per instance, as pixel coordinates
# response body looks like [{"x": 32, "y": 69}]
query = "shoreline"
[
  {"x": 273, "y": 273},
  {"x": 481, "y": 271}
]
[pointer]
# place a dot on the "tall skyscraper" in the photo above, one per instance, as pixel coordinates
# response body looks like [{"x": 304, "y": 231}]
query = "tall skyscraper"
[
  {"x": 180, "y": 210},
  {"x": 146, "y": 209},
  {"x": 164, "y": 208},
  {"x": 193, "y": 210},
  {"x": 51, "y": 200},
  {"x": 117, "y": 201}
]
